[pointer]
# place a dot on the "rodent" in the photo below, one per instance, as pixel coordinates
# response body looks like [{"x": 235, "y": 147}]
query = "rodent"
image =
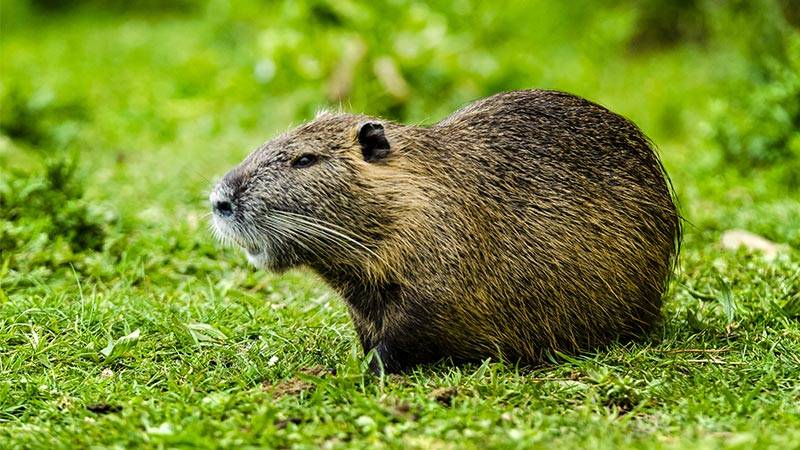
[{"x": 527, "y": 224}]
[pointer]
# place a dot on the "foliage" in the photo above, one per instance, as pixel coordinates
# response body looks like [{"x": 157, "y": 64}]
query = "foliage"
[
  {"x": 762, "y": 128},
  {"x": 671, "y": 22},
  {"x": 38, "y": 118},
  {"x": 44, "y": 218}
]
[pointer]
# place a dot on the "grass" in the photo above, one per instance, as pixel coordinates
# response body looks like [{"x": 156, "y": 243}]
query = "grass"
[{"x": 123, "y": 324}]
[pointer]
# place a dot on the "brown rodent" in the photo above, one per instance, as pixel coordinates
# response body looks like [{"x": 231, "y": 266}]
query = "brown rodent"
[{"x": 526, "y": 224}]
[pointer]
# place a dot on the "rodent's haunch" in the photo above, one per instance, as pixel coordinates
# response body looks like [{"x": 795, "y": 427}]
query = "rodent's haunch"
[{"x": 525, "y": 224}]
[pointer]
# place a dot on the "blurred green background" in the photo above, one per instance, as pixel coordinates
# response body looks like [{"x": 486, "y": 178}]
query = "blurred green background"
[
  {"x": 117, "y": 116},
  {"x": 154, "y": 99}
]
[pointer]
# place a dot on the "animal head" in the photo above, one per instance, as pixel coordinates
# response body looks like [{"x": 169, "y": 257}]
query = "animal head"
[{"x": 318, "y": 194}]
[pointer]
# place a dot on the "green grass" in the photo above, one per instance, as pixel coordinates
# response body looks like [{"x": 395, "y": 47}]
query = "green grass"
[{"x": 123, "y": 324}]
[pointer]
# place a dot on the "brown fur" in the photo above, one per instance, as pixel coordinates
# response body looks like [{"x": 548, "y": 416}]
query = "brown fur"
[{"x": 527, "y": 223}]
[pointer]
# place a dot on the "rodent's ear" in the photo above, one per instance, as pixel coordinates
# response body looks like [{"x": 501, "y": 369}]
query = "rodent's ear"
[{"x": 374, "y": 145}]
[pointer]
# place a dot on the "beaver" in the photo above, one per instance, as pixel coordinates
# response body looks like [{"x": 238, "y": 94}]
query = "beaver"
[{"x": 526, "y": 225}]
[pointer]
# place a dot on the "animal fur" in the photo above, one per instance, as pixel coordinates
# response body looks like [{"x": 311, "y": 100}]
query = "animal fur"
[{"x": 525, "y": 224}]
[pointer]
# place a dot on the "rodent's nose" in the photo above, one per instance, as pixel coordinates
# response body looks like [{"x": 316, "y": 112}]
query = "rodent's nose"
[
  {"x": 221, "y": 205},
  {"x": 223, "y": 208}
]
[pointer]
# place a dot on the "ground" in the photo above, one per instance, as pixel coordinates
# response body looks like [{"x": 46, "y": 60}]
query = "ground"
[{"x": 122, "y": 322}]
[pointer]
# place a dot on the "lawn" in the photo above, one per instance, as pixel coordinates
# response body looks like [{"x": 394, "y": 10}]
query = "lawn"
[{"x": 124, "y": 324}]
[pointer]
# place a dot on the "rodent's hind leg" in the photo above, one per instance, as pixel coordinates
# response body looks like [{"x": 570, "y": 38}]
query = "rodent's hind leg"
[{"x": 388, "y": 360}]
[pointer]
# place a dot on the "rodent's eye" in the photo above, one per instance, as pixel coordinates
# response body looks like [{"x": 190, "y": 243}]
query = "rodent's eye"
[{"x": 304, "y": 161}]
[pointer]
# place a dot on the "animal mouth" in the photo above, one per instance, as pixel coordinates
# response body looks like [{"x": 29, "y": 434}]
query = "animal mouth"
[{"x": 228, "y": 236}]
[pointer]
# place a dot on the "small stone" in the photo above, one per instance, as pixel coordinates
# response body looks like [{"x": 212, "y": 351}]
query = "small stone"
[{"x": 735, "y": 239}]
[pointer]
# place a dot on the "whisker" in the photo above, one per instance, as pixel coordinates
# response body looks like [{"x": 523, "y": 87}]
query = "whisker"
[
  {"x": 327, "y": 227},
  {"x": 300, "y": 232},
  {"x": 269, "y": 227},
  {"x": 307, "y": 238},
  {"x": 321, "y": 232}
]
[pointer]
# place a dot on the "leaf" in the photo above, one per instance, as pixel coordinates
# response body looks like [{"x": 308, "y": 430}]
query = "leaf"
[
  {"x": 203, "y": 333},
  {"x": 695, "y": 324},
  {"x": 242, "y": 295},
  {"x": 116, "y": 349},
  {"x": 181, "y": 332},
  {"x": 727, "y": 302}
]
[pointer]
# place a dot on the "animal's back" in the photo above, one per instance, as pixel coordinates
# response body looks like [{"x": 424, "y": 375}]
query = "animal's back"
[{"x": 561, "y": 234}]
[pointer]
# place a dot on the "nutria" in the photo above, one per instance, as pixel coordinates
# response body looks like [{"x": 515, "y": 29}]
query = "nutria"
[{"x": 527, "y": 224}]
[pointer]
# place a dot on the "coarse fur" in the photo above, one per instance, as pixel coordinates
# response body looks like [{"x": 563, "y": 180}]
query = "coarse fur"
[{"x": 526, "y": 224}]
